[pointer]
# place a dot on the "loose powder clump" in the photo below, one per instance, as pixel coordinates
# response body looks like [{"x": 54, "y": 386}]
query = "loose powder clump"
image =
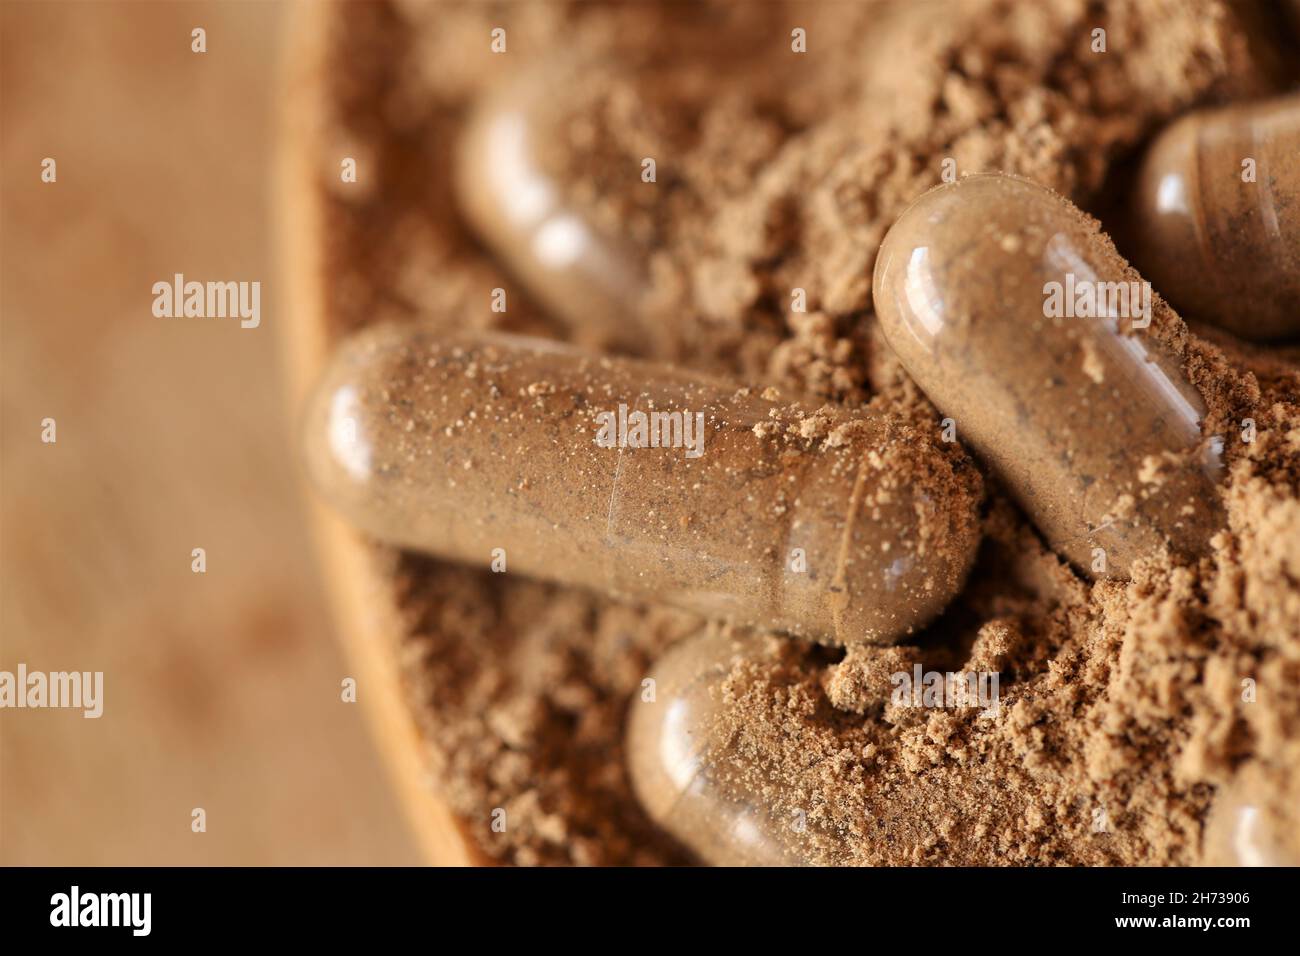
[{"x": 1123, "y": 705}]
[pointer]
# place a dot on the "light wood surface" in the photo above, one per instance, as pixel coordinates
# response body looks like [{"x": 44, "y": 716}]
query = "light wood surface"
[
  {"x": 359, "y": 592},
  {"x": 222, "y": 690}
]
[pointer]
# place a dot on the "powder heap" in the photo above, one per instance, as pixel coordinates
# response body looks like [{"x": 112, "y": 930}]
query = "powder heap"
[{"x": 1123, "y": 703}]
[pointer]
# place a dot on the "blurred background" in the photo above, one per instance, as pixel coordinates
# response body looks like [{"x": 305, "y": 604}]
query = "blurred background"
[{"x": 222, "y": 689}]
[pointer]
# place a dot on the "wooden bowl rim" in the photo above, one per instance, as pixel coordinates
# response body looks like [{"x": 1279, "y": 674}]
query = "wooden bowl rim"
[{"x": 360, "y": 594}]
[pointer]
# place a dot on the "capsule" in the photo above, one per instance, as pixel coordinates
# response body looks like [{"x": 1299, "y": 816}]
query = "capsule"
[
  {"x": 981, "y": 289},
  {"x": 686, "y": 770},
  {"x": 587, "y": 278},
  {"x": 640, "y": 480},
  {"x": 1240, "y": 830},
  {"x": 1217, "y": 217}
]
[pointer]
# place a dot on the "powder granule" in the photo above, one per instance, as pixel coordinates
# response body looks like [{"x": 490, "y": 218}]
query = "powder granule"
[
  {"x": 1125, "y": 705},
  {"x": 1121, "y": 702}
]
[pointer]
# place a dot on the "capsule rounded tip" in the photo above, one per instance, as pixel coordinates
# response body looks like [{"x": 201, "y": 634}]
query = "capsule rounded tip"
[
  {"x": 682, "y": 762},
  {"x": 1168, "y": 219},
  {"x": 342, "y": 430},
  {"x": 901, "y": 550},
  {"x": 956, "y": 243},
  {"x": 1216, "y": 217},
  {"x": 586, "y": 278}
]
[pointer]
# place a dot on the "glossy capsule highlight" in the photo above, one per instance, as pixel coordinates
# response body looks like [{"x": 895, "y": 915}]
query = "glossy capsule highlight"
[
  {"x": 685, "y": 770},
  {"x": 981, "y": 289},
  {"x": 642, "y": 481},
  {"x": 1217, "y": 217},
  {"x": 1241, "y": 831},
  {"x": 587, "y": 278}
]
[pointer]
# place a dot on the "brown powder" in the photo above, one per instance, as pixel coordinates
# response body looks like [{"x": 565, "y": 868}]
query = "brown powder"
[{"x": 1122, "y": 705}]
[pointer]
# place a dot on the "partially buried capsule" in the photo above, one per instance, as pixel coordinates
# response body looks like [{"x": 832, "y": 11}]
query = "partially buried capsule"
[
  {"x": 1019, "y": 320},
  {"x": 643, "y": 481},
  {"x": 692, "y": 776},
  {"x": 588, "y": 277},
  {"x": 1216, "y": 218}
]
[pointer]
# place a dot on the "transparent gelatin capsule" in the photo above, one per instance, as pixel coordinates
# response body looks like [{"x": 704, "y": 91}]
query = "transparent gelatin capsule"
[
  {"x": 588, "y": 278},
  {"x": 689, "y": 774},
  {"x": 1021, "y": 322},
  {"x": 1217, "y": 217},
  {"x": 643, "y": 481}
]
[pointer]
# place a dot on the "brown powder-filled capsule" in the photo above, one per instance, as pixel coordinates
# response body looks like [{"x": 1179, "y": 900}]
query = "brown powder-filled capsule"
[
  {"x": 586, "y": 278},
  {"x": 683, "y": 767},
  {"x": 1217, "y": 217},
  {"x": 1004, "y": 303},
  {"x": 643, "y": 481}
]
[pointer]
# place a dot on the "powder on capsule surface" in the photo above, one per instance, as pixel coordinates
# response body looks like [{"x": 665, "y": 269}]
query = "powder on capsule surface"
[{"x": 1123, "y": 698}]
